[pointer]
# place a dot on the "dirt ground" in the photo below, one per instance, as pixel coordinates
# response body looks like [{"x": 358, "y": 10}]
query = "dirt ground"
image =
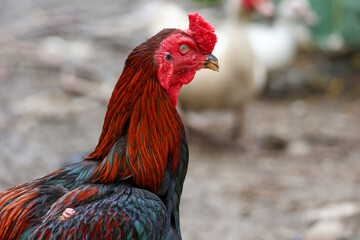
[{"x": 259, "y": 192}]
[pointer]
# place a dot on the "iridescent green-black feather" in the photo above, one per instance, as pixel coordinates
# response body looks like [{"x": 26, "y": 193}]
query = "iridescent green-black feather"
[{"x": 107, "y": 212}]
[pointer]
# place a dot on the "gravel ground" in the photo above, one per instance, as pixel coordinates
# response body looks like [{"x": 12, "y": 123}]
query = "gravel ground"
[{"x": 261, "y": 194}]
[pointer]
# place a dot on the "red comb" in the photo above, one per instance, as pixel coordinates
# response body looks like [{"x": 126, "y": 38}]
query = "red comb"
[
  {"x": 249, "y": 4},
  {"x": 202, "y": 31}
]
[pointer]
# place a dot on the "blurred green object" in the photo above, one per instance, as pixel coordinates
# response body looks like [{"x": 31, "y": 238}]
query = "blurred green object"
[{"x": 338, "y": 28}]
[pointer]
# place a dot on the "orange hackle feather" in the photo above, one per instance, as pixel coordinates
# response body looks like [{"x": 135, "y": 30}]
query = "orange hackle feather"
[
  {"x": 21, "y": 207},
  {"x": 140, "y": 109}
]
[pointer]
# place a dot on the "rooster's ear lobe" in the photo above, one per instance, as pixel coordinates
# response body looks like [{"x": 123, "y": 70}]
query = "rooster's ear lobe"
[{"x": 165, "y": 72}]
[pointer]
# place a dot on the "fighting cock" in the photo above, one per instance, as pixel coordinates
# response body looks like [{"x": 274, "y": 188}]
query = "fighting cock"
[{"x": 129, "y": 187}]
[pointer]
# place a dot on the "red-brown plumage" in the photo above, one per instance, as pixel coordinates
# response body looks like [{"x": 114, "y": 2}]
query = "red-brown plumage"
[
  {"x": 139, "y": 101},
  {"x": 15, "y": 210},
  {"x": 142, "y": 146}
]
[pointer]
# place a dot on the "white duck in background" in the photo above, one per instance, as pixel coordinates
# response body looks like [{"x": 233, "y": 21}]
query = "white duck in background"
[
  {"x": 241, "y": 76},
  {"x": 276, "y": 45}
]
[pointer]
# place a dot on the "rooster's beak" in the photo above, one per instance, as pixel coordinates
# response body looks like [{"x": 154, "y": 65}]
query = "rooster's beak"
[{"x": 211, "y": 62}]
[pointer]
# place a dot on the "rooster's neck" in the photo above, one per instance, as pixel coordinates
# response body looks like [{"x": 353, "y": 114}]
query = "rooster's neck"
[
  {"x": 142, "y": 130},
  {"x": 171, "y": 189}
]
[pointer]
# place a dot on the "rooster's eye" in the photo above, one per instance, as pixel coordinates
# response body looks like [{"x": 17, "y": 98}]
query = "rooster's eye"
[{"x": 184, "y": 48}]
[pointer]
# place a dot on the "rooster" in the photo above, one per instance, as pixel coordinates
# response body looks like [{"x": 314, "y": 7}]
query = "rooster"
[{"x": 129, "y": 187}]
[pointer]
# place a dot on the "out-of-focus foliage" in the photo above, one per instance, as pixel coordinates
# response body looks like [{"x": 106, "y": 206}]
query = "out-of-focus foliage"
[{"x": 338, "y": 27}]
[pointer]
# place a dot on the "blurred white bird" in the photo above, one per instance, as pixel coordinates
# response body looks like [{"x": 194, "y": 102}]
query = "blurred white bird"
[
  {"x": 168, "y": 14},
  {"x": 241, "y": 76},
  {"x": 276, "y": 45}
]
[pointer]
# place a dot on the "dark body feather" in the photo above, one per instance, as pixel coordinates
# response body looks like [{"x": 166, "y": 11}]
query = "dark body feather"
[
  {"x": 130, "y": 186},
  {"x": 140, "y": 213}
]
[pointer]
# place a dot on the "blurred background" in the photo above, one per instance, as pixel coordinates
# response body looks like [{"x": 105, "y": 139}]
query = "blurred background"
[{"x": 274, "y": 139}]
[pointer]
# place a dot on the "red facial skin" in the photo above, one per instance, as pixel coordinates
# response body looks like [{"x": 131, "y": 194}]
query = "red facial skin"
[
  {"x": 178, "y": 64},
  {"x": 179, "y": 58}
]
